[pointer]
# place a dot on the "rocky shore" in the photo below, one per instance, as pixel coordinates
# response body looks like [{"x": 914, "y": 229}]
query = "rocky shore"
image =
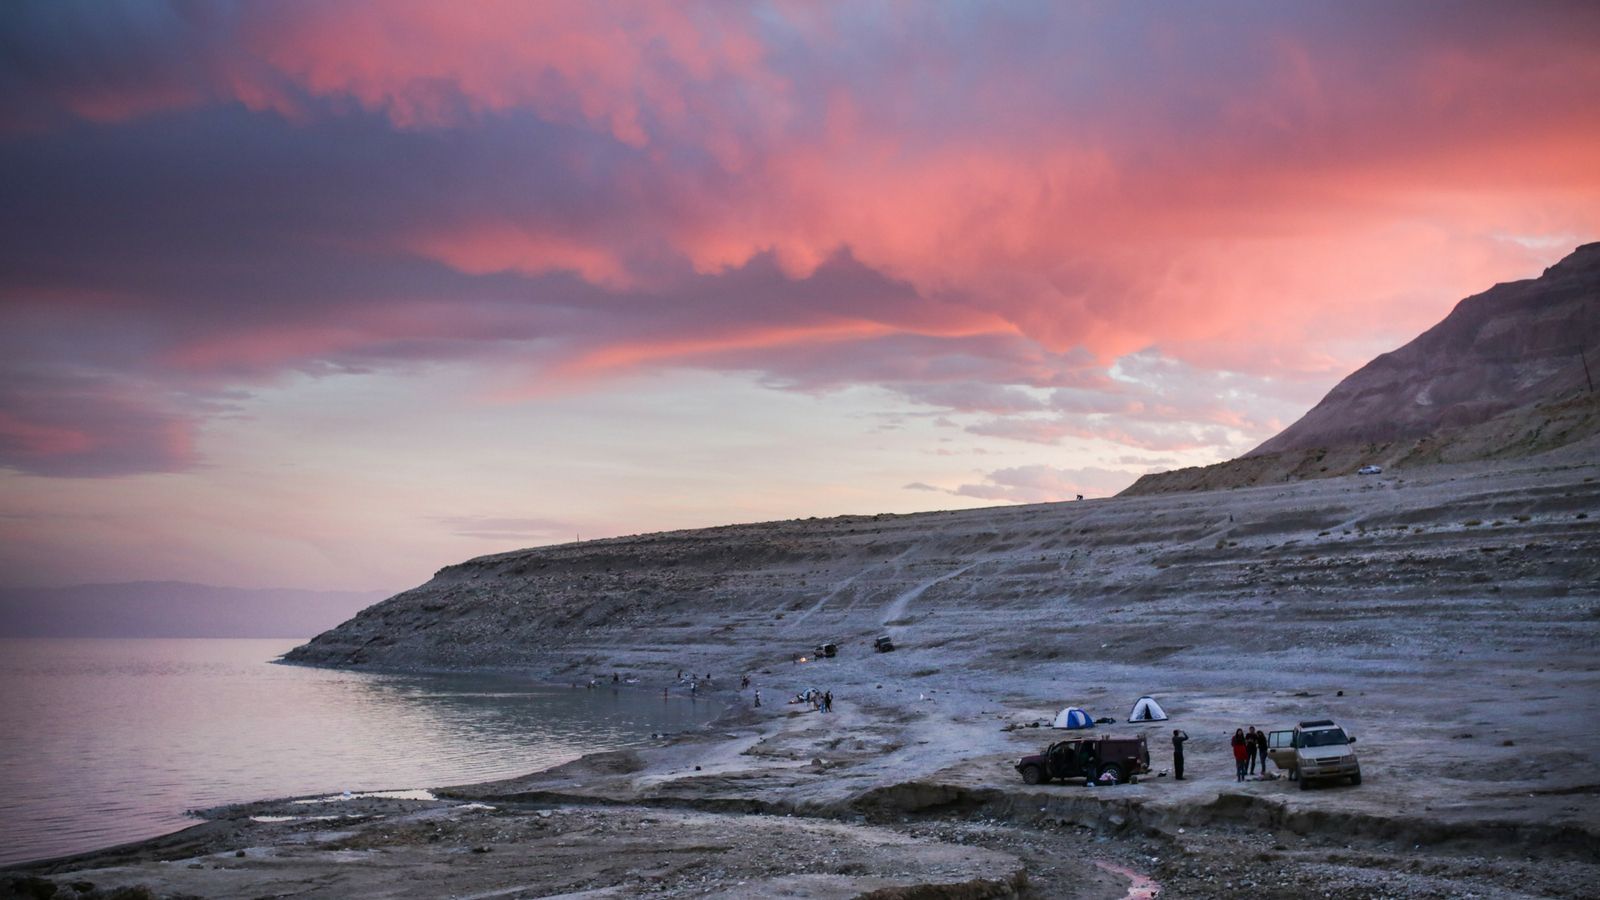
[
  {"x": 1447, "y": 616},
  {"x": 876, "y": 801}
]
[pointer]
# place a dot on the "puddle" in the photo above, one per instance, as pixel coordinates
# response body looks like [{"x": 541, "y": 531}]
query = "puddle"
[{"x": 1140, "y": 887}]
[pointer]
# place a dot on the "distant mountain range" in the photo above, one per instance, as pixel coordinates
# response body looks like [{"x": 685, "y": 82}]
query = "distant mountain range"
[
  {"x": 142, "y": 609},
  {"x": 1510, "y": 372}
]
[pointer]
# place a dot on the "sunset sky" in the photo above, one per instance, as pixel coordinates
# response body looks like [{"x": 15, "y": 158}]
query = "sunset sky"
[{"x": 331, "y": 295}]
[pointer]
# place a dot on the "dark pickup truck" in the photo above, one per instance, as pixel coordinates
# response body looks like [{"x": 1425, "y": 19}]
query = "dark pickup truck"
[{"x": 1087, "y": 758}]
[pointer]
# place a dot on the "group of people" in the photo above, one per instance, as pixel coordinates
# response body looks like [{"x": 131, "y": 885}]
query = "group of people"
[{"x": 1249, "y": 748}]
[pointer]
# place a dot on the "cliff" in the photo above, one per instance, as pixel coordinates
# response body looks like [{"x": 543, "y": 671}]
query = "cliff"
[
  {"x": 1138, "y": 580},
  {"x": 1505, "y": 374}
]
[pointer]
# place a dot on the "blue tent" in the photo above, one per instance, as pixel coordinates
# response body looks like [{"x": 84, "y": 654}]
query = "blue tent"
[{"x": 1073, "y": 717}]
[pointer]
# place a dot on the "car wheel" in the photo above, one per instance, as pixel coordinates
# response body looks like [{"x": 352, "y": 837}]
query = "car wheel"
[
  {"x": 1304, "y": 784},
  {"x": 1032, "y": 775},
  {"x": 1356, "y": 778},
  {"x": 1113, "y": 769}
]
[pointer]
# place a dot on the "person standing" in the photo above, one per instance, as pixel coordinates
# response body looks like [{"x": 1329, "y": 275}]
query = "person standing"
[
  {"x": 1238, "y": 753},
  {"x": 1178, "y": 737},
  {"x": 1261, "y": 750},
  {"x": 758, "y": 696},
  {"x": 827, "y": 702},
  {"x": 1250, "y": 751}
]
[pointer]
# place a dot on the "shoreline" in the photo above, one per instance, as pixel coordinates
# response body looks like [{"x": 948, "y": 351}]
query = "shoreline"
[
  {"x": 311, "y": 733},
  {"x": 960, "y": 825}
]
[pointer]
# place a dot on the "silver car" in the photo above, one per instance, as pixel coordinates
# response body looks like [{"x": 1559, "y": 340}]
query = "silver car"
[{"x": 1317, "y": 750}]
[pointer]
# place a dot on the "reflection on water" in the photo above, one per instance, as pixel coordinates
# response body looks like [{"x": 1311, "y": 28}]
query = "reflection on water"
[{"x": 105, "y": 741}]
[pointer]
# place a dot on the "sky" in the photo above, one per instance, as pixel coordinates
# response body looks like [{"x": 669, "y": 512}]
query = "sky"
[{"x": 331, "y": 295}]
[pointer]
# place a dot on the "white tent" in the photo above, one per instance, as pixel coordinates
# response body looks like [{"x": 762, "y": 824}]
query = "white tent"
[
  {"x": 1073, "y": 717},
  {"x": 1147, "y": 710}
]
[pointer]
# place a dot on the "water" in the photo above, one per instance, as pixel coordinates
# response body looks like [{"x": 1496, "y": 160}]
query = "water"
[{"x": 106, "y": 741}]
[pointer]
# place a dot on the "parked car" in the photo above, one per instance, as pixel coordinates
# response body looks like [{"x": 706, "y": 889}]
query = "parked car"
[
  {"x": 1317, "y": 750},
  {"x": 1087, "y": 758},
  {"x": 883, "y": 644},
  {"x": 1370, "y": 470},
  {"x": 827, "y": 650}
]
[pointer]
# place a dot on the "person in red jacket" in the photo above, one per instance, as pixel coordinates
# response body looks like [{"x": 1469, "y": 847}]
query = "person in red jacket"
[{"x": 1241, "y": 750}]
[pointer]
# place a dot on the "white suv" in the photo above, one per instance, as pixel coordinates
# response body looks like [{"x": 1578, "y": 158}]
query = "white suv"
[{"x": 1317, "y": 750}]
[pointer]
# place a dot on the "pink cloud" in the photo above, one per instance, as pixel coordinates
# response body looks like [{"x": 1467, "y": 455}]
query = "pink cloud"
[
  {"x": 486, "y": 248},
  {"x": 85, "y": 428},
  {"x": 819, "y": 196}
]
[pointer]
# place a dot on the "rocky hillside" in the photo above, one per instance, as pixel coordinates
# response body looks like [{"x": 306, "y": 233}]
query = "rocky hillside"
[
  {"x": 1510, "y": 346},
  {"x": 1503, "y": 375},
  {"x": 1572, "y": 422},
  {"x": 1455, "y": 558}
]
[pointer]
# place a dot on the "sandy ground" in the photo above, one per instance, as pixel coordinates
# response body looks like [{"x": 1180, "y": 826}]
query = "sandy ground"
[{"x": 1448, "y": 617}]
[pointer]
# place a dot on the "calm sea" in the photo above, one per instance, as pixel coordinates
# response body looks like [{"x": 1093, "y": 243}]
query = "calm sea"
[{"x": 106, "y": 741}]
